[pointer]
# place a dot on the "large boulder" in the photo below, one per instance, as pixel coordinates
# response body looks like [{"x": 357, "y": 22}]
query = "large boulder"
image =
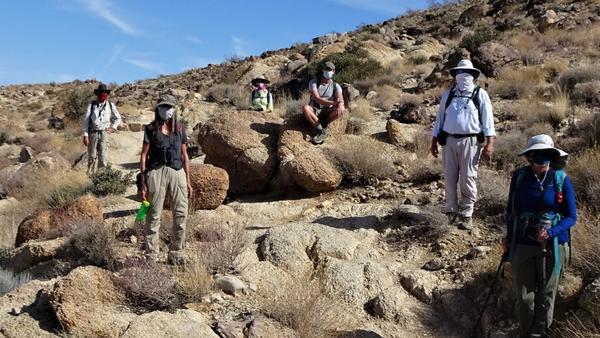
[
  {"x": 48, "y": 224},
  {"x": 305, "y": 163},
  {"x": 35, "y": 252},
  {"x": 491, "y": 56},
  {"x": 245, "y": 145},
  {"x": 402, "y": 134},
  {"x": 391, "y": 304},
  {"x": 181, "y": 324},
  {"x": 210, "y": 185},
  {"x": 88, "y": 304}
]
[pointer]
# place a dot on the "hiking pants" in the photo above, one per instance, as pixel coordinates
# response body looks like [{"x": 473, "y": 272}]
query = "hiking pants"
[
  {"x": 460, "y": 158},
  {"x": 526, "y": 268},
  {"x": 97, "y": 149},
  {"x": 162, "y": 182}
]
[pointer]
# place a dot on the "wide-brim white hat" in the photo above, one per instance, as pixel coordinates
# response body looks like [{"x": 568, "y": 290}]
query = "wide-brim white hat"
[
  {"x": 542, "y": 142},
  {"x": 467, "y": 65}
]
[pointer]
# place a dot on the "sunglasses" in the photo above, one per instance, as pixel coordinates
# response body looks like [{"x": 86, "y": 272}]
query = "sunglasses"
[
  {"x": 461, "y": 71},
  {"x": 329, "y": 69}
]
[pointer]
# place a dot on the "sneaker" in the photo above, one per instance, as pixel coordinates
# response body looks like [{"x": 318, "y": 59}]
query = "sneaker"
[
  {"x": 320, "y": 137},
  {"x": 465, "y": 223},
  {"x": 174, "y": 258}
]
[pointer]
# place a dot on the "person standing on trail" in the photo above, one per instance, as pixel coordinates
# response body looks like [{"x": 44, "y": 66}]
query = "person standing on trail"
[
  {"x": 464, "y": 122},
  {"x": 261, "y": 98},
  {"x": 326, "y": 102},
  {"x": 98, "y": 122},
  {"x": 540, "y": 213},
  {"x": 165, "y": 171}
]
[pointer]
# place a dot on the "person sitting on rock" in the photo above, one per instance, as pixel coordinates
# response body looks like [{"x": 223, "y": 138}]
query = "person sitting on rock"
[
  {"x": 261, "y": 98},
  {"x": 326, "y": 102},
  {"x": 164, "y": 155},
  {"x": 98, "y": 122}
]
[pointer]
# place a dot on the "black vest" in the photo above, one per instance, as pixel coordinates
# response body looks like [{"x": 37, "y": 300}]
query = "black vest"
[{"x": 164, "y": 149}]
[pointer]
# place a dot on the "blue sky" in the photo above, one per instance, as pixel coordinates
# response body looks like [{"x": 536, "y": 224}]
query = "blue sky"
[{"x": 124, "y": 41}]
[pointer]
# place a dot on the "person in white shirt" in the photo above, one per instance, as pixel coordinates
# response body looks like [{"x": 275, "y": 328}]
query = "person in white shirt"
[
  {"x": 464, "y": 123},
  {"x": 98, "y": 122}
]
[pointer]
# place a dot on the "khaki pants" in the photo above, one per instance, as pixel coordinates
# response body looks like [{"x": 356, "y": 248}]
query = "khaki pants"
[
  {"x": 97, "y": 149},
  {"x": 526, "y": 268},
  {"x": 461, "y": 162},
  {"x": 160, "y": 182}
]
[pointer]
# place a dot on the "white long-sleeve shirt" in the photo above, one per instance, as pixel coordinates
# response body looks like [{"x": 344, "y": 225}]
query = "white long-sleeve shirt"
[
  {"x": 100, "y": 118},
  {"x": 462, "y": 116}
]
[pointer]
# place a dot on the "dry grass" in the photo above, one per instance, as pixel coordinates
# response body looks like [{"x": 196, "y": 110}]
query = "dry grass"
[
  {"x": 148, "y": 288},
  {"x": 10, "y": 280},
  {"x": 552, "y": 111},
  {"x": 424, "y": 171},
  {"x": 585, "y": 173},
  {"x": 555, "y": 66},
  {"x": 303, "y": 305},
  {"x": 513, "y": 83},
  {"x": 575, "y": 327},
  {"x": 492, "y": 192},
  {"x": 587, "y": 72},
  {"x": 221, "y": 246},
  {"x": 583, "y": 36},
  {"x": 586, "y": 254},
  {"x": 386, "y": 97},
  {"x": 587, "y": 93},
  {"x": 193, "y": 280},
  {"x": 362, "y": 109},
  {"x": 358, "y": 167},
  {"x": 93, "y": 241},
  {"x": 286, "y": 106},
  {"x": 506, "y": 148},
  {"x": 234, "y": 95},
  {"x": 589, "y": 130},
  {"x": 526, "y": 45}
]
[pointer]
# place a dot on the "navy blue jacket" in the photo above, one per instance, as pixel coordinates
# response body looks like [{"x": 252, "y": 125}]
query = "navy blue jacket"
[{"x": 528, "y": 195}]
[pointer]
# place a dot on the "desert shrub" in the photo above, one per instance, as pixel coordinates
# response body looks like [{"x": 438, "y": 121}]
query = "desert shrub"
[
  {"x": 75, "y": 102},
  {"x": 506, "y": 149},
  {"x": 220, "y": 247},
  {"x": 363, "y": 159},
  {"x": 232, "y": 94},
  {"x": 555, "y": 66},
  {"x": 587, "y": 93},
  {"x": 287, "y": 106},
  {"x": 193, "y": 280},
  {"x": 110, "y": 181},
  {"x": 386, "y": 97},
  {"x": 424, "y": 171},
  {"x": 148, "y": 287},
  {"x": 360, "y": 113},
  {"x": 10, "y": 280},
  {"x": 552, "y": 111},
  {"x": 585, "y": 173},
  {"x": 94, "y": 241},
  {"x": 482, "y": 35},
  {"x": 492, "y": 192},
  {"x": 351, "y": 65},
  {"x": 303, "y": 305},
  {"x": 528, "y": 49},
  {"x": 64, "y": 195},
  {"x": 589, "y": 130},
  {"x": 586, "y": 254},
  {"x": 513, "y": 83},
  {"x": 583, "y": 73},
  {"x": 4, "y": 137}
]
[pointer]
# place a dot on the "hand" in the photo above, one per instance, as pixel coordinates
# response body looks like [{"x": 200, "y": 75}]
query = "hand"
[
  {"x": 488, "y": 150},
  {"x": 542, "y": 235},
  {"x": 190, "y": 190},
  {"x": 110, "y": 130},
  {"x": 339, "y": 110},
  {"x": 144, "y": 192},
  {"x": 434, "y": 148},
  {"x": 86, "y": 141}
]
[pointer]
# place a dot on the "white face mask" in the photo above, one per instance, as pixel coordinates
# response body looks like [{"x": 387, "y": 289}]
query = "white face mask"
[
  {"x": 166, "y": 112},
  {"x": 328, "y": 74},
  {"x": 464, "y": 82}
]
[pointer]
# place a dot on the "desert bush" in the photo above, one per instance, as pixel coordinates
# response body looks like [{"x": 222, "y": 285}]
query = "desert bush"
[
  {"x": 75, "y": 102},
  {"x": 4, "y": 136},
  {"x": 232, "y": 94},
  {"x": 589, "y": 130},
  {"x": 148, "y": 287},
  {"x": 585, "y": 173},
  {"x": 110, "y": 181},
  {"x": 513, "y": 83},
  {"x": 527, "y": 47},
  {"x": 193, "y": 280},
  {"x": 94, "y": 241},
  {"x": 424, "y": 171},
  {"x": 507, "y": 147},
  {"x": 361, "y": 109},
  {"x": 581, "y": 74},
  {"x": 363, "y": 159},
  {"x": 386, "y": 97},
  {"x": 303, "y": 305},
  {"x": 220, "y": 247},
  {"x": 63, "y": 195},
  {"x": 587, "y": 93},
  {"x": 492, "y": 192},
  {"x": 10, "y": 280},
  {"x": 555, "y": 66},
  {"x": 586, "y": 254},
  {"x": 482, "y": 35},
  {"x": 351, "y": 65},
  {"x": 552, "y": 111},
  {"x": 287, "y": 106}
]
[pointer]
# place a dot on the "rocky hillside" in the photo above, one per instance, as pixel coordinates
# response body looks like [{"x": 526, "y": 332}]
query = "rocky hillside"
[{"x": 287, "y": 239}]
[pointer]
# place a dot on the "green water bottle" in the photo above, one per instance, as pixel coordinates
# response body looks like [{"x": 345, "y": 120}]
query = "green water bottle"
[{"x": 142, "y": 211}]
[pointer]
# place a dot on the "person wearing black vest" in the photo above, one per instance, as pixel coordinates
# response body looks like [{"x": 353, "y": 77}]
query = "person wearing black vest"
[{"x": 165, "y": 172}]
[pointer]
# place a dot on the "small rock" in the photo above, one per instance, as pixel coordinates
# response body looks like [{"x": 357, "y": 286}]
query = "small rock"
[
  {"x": 216, "y": 298},
  {"x": 26, "y": 154},
  {"x": 371, "y": 95},
  {"x": 231, "y": 285},
  {"x": 479, "y": 251},
  {"x": 434, "y": 265}
]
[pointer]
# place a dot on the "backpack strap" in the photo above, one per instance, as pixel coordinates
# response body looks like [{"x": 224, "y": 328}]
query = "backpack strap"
[
  {"x": 474, "y": 98},
  {"x": 521, "y": 172},
  {"x": 94, "y": 105}
]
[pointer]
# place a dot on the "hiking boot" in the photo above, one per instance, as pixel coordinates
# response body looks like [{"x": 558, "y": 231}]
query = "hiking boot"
[
  {"x": 320, "y": 137},
  {"x": 452, "y": 216},
  {"x": 465, "y": 223},
  {"x": 175, "y": 258}
]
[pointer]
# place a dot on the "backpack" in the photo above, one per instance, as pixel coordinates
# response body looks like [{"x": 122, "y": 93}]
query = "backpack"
[
  {"x": 94, "y": 105},
  {"x": 335, "y": 90},
  {"x": 559, "y": 180},
  {"x": 442, "y": 135}
]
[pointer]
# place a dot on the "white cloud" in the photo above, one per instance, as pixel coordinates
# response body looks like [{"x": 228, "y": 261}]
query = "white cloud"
[
  {"x": 192, "y": 39},
  {"x": 105, "y": 10},
  {"x": 239, "y": 48},
  {"x": 392, "y": 7},
  {"x": 144, "y": 64},
  {"x": 117, "y": 51}
]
